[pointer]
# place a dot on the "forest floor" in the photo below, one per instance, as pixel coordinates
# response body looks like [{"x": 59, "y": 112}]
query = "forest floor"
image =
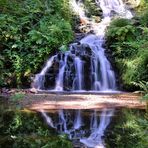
[{"x": 54, "y": 101}]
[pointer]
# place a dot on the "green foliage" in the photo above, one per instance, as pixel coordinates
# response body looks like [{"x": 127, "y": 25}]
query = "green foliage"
[
  {"x": 121, "y": 30},
  {"x": 144, "y": 87},
  {"x": 92, "y": 8},
  {"x": 130, "y": 130},
  {"x": 143, "y": 6},
  {"x": 120, "y": 22},
  {"x": 144, "y": 18},
  {"x": 62, "y": 142},
  {"x": 127, "y": 40},
  {"x": 30, "y": 31}
]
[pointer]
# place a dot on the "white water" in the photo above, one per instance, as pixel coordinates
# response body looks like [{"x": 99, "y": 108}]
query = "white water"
[
  {"x": 96, "y": 42},
  {"x": 114, "y": 5},
  {"x": 79, "y": 72},
  {"x": 59, "y": 81},
  {"x": 40, "y": 78},
  {"x": 78, "y": 8}
]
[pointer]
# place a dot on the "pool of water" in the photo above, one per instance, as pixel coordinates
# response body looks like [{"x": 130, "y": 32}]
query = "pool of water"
[{"x": 72, "y": 128}]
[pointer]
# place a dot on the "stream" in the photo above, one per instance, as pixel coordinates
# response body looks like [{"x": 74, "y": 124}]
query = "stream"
[{"x": 84, "y": 128}]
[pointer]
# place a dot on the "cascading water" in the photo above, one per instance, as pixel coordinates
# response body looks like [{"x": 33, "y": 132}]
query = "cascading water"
[
  {"x": 83, "y": 68},
  {"x": 60, "y": 77},
  {"x": 40, "y": 78},
  {"x": 78, "y": 78}
]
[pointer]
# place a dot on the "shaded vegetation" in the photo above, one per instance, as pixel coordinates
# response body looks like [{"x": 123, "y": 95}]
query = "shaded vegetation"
[
  {"x": 30, "y": 30},
  {"x": 128, "y": 41},
  {"x": 92, "y": 8}
]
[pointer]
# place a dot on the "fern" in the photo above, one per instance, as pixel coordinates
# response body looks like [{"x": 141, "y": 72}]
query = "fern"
[{"x": 143, "y": 85}]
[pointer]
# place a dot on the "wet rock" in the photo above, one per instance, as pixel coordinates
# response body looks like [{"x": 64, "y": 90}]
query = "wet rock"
[
  {"x": 79, "y": 36},
  {"x": 33, "y": 90}
]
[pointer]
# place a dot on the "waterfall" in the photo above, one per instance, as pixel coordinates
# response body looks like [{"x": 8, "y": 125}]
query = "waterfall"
[
  {"x": 114, "y": 5},
  {"x": 85, "y": 66},
  {"x": 40, "y": 78},
  {"x": 79, "y": 72},
  {"x": 59, "y": 81}
]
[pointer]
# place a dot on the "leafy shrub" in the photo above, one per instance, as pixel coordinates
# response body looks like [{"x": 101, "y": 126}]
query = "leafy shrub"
[
  {"x": 92, "y": 8},
  {"x": 121, "y": 30},
  {"x": 120, "y": 22},
  {"x": 30, "y": 32},
  {"x": 144, "y": 88},
  {"x": 144, "y": 18},
  {"x": 127, "y": 40}
]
